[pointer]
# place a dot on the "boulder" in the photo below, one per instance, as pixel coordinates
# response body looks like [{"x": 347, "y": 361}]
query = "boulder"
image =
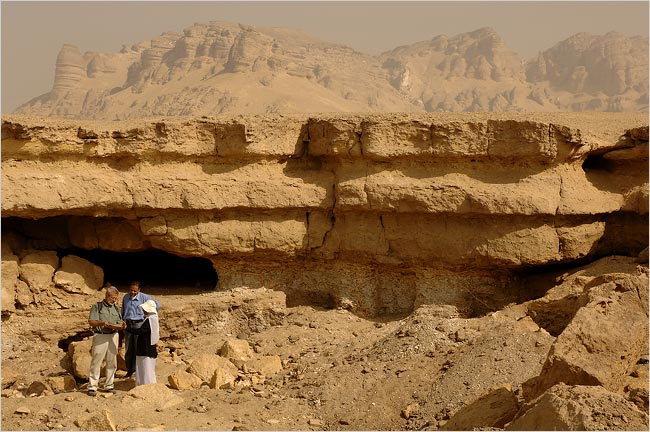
[
  {"x": 223, "y": 377},
  {"x": 79, "y": 276},
  {"x": 80, "y": 357},
  {"x": 565, "y": 407},
  {"x": 8, "y": 300},
  {"x": 183, "y": 380},
  {"x": 37, "y": 388},
  {"x": 236, "y": 349},
  {"x": 10, "y": 272},
  {"x": 156, "y": 395},
  {"x": 24, "y": 296},
  {"x": 639, "y": 397},
  {"x": 410, "y": 411},
  {"x": 153, "y": 226},
  {"x": 204, "y": 366},
  {"x": 62, "y": 383},
  {"x": 37, "y": 269},
  {"x": 604, "y": 339},
  {"x": 22, "y": 409},
  {"x": 9, "y": 376},
  {"x": 266, "y": 365},
  {"x": 99, "y": 421},
  {"x": 493, "y": 409},
  {"x": 636, "y": 384}
]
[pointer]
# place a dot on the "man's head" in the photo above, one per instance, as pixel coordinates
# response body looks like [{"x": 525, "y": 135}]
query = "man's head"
[
  {"x": 134, "y": 289},
  {"x": 111, "y": 295}
]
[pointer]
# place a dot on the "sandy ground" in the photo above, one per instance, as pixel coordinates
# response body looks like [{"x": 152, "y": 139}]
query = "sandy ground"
[{"x": 340, "y": 371}]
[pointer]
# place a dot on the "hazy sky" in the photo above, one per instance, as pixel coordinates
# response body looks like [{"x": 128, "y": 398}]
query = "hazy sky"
[{"x": 33, "y": 32}]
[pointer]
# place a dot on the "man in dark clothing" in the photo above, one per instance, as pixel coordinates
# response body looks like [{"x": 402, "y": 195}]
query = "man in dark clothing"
[
  {"x": 146, "y": 348},
  {"x": 134, "y": 317}
]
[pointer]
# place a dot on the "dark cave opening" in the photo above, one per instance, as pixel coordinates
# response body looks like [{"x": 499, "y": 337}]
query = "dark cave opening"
[
  {"x": 596, "y": 162},
  {"x": 152, "y": 267}
]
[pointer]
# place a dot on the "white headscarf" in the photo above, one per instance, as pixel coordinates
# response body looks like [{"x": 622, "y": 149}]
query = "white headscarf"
[
  {"x": 149, "y": 307},
  {"x": 155, "y": 328}
]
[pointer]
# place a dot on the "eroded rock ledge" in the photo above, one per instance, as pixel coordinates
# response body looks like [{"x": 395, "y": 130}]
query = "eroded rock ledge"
[{"x": 378, "y": 213}]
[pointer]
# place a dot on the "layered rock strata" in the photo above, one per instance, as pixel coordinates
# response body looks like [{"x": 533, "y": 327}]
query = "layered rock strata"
[{"x": 377, "y": 213}]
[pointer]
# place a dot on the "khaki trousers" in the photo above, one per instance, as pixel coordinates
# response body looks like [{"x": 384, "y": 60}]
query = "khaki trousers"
[{"x": 104, "y": 346}]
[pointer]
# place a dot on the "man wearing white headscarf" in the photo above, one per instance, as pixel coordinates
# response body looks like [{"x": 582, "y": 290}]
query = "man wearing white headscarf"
[{"x": 146, "y": 350}]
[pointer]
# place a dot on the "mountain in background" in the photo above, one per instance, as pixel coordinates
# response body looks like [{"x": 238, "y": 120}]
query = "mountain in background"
[{"x": 223, "y": 67}]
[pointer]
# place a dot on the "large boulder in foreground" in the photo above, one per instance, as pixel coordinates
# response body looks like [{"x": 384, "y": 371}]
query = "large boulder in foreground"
[
  {"x": 605, "y": 338},
  {"x": 566, "y": 407},
  {"x": 80, "y": 356},
  {"x": 493, "y": 409}
]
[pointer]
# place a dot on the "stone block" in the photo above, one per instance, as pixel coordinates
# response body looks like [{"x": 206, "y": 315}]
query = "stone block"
[
  {"x": 604, "y": 339},
  {"x": 80, "y": 357},
  {"x": 564, "y": 407},
  {"x": 37, "y": 269},
  {"x": 63, "y": 383},
  {"x": 237, "y": 349},
  {"x": 79, "y": 276},
  {"x": 223, "y": 377},
  {"x": 183, "y": 380},
  {"x": 153, "y": 226},
  {"x": 491, "y": 410},
  {"x": 266, "y": 365},
  {"x": 156, "y": 395},
  {"x": 98, "y": 421},
  {"x": 204, "y": 365}
]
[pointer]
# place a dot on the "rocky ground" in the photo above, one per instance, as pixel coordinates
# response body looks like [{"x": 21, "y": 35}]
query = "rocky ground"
[{"x": 573, "y": 358}]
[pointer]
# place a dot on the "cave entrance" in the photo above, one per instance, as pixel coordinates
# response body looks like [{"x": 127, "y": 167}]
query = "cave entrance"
[
  {"x": 153, "y": 268},
  {"x": 106, "y": 242}
]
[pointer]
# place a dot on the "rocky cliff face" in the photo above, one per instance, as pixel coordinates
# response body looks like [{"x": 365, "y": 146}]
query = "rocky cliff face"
[
  {"x": 468, "y": 72},
  {"x": 377, "y": 213},
  {"x": 610, "y": 70},
  {"x": 222, "y": 67}
]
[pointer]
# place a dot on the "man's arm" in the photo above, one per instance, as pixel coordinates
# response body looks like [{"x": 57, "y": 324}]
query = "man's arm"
[
  {"x": 148, "y": 297},
  {"x": 93, "y": 317},
  {"x": 97, "y": 323}
]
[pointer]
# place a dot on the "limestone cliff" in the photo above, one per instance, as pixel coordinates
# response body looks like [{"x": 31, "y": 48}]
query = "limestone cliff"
[
  {"x": 379, "y": 213},
  {"x": 601, "y": 72},
  {"x": 220, "y": 67}
]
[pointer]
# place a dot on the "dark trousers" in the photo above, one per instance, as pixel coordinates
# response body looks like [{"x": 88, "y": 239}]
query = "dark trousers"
[{"x": 131, "y": 339}]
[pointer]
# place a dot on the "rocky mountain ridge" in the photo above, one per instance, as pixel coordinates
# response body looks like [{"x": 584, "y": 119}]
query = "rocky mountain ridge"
[{"x": 222, "y": 67}]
